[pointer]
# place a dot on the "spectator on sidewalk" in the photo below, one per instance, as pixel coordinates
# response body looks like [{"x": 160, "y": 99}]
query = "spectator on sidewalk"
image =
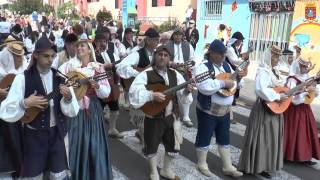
[{"x": 192, "y": 34}]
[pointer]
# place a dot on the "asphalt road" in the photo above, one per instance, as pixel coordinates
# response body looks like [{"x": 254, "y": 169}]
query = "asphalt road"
[{"x": 129, "y": 163}]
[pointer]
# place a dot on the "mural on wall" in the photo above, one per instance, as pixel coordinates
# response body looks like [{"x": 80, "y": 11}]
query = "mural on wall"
[{"x": 305, "y": 29}]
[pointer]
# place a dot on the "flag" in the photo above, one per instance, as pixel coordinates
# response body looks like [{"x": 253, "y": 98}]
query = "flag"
[{"x": 234, "y": 5}]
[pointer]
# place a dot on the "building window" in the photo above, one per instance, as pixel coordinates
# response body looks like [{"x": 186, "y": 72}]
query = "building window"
[
  {"x": 168, "y": 3},
  {"x": 212, "y": 9},
  {"x": 154, "y": 3}
]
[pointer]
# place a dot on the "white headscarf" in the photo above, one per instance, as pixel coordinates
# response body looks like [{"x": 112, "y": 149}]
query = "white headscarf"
[
  {"x": 295, "y": 70},
  {"x": 7, "y": 63},
  {"x": 265, "y": 65},
  {"x": 231, "y": 42}
]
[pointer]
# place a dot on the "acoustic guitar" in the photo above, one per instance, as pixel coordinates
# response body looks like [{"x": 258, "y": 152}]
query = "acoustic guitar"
[
  {"x": 228, "y": 76},
  {"x": 6, "y": 82},
  {"x": 153, "y": 108},
  {"x": 77, "y": 80},
  {"x": 279, "y": 107}
]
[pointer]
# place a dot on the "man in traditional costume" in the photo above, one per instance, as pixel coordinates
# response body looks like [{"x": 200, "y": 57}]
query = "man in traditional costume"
[
  {"x": 43, "y": 138},
  {"x": 182, "y": 52},
  {"x": 213, "y": 111},
  {"x": 163, "y": 127}
]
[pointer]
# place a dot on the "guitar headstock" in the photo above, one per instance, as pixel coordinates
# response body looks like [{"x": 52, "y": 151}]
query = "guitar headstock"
[{"x": 204, "y": 76}]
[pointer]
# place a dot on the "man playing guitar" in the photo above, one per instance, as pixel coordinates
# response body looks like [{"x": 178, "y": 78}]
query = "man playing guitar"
[{"x": 163, "y": 126}]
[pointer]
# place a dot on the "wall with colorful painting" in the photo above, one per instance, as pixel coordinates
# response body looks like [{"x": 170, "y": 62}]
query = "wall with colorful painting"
[
  {"x": 305, "y": 31},
  {"x": 235, "y": 14}
]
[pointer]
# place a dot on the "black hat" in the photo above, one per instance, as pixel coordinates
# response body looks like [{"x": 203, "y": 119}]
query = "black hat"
[
  {"x": 238, "y": 35},
  {"x": 17, "y": 28},
  {"x": 44, "y": 44},
  {"x": 71, "y": 38},
  {"x": 99, "y": 36},
  {"x": 104, "y": 29},
  {"x": 287, "y": 52},
  {"x": 128, "y": 30},
  {"x": 217, "y": 46},
  {"x": 151, "y": 33}
]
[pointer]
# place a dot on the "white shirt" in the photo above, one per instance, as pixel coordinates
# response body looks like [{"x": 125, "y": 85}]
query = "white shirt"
[
  {"x": 189, "y": 12},
  {"x": 139, "y": 95},
  {"x": 210, "y": 86},
  {"x": 125, "y": 67},
  {"x": 11, "y": 109},
  {"x": 233, "y": 57},
  {"x": 178, "y": 54}
]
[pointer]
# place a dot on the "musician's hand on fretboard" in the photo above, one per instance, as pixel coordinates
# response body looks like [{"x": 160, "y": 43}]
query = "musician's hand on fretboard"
[{"x": 4, "y": 92}]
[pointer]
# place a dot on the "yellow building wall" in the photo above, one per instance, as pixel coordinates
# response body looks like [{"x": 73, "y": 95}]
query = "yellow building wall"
[
  {"x": 178, "y": 10},
  {"x": 307, "y": 33}
]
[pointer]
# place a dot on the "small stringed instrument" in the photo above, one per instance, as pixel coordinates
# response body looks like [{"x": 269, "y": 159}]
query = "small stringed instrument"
[
  {"x": 77, "y": 80},
  {"x": 233, "y": 77},
  {"x": 279, "y": 107},
  {"x": 6, "y": 82},
  {"x": 308, "y": 99},
  {"x": 81, "y": 81},
  {"x": 153, "y": 108}
]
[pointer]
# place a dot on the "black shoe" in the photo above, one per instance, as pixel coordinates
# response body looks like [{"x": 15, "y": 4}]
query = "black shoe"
[
  {"x": 310, "y": 163},
  {"x": 266, "y": 175}
]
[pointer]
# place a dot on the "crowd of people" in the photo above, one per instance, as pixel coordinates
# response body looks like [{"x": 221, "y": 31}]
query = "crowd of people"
[{"x": 59, "y": 86}]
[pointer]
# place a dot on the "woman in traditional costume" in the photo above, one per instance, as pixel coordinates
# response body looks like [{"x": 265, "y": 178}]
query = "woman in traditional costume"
[
  {"x": 300, "y": 128},
  {"x": 88, "y": 147},
  {"x": 262, "y": 151}
]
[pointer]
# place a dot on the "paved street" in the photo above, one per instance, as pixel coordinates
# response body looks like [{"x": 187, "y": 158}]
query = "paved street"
[{"x": 129, "y": 163}]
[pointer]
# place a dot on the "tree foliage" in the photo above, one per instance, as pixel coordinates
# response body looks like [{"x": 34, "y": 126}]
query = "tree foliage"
[
  {"x": 67, "y": 9},
  {"x": 104, "y": 16},
  {"x": 27, "y": 6}
]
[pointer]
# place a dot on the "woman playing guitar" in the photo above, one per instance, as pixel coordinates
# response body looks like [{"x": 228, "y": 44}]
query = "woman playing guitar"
[
  {"x": 262, "y": 147},
  {"x": 300, "y": 128}
]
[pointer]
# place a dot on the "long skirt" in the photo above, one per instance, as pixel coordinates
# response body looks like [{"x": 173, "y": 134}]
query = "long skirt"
[
  {"x": 301, "y": 141},
  {"x": 88, "y": 152},
  {"x": 262, "y": 149}
]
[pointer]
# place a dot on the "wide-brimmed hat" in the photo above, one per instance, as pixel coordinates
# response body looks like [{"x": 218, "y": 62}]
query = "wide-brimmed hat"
[
  {"x": 276, "y": 50},
  {"x": 10, "y": 39},
  {"x": 16, "y": 49}
]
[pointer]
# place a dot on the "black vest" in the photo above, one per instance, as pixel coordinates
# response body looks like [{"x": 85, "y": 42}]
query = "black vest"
[
  {"x": 33, "y": 83},
  {"x": 127, "y": 45},
  {"x": 143, "y": 58},
  {"x": 154, "y": 78},
  {"x": 204, "y": 100}
]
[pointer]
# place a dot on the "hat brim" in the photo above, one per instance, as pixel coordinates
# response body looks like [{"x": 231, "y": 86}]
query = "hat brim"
[{"x": 15, "y": 53}]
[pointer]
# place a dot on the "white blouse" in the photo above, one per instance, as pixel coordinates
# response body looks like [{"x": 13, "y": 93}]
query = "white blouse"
[
  {"x": 299, "y": 98},
  {"x": 264, "y": 86}
]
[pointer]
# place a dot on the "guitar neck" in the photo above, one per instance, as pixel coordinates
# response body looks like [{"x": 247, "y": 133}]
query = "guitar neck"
[
  {"x": 53, "y": 94},
  {"x": 292, "y": 91},
  {"x": 177, "y": 88}
]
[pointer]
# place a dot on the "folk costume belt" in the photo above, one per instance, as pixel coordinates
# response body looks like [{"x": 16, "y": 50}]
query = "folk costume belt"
[{"x": 216, "y": 109}]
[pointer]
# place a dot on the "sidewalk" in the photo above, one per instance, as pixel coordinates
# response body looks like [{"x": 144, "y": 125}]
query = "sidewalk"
[{"x": 247, "y": 93}]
